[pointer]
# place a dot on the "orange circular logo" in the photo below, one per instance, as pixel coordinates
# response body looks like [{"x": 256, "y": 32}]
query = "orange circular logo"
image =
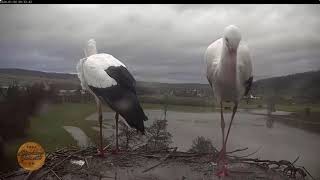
[{"x": 31, "y": 156}]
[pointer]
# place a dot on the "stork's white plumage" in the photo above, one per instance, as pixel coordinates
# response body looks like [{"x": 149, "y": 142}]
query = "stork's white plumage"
[
  {"x": 229, "y": 72},
  {"x": 109, "y": 81},
  {"x": 94, "y": 70}
]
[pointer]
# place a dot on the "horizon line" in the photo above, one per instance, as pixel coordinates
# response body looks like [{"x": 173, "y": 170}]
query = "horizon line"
[{"x": 74, "y": 73}]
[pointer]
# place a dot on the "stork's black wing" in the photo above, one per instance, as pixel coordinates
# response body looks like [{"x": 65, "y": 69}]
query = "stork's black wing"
[
  {"x": 122, "y": 97},
  {"x": 248, "y": 85},
  {"x": 122, "y": 76}
]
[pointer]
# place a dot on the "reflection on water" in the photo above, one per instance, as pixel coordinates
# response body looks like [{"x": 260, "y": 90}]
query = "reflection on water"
[{"x": 269, "y": 122}]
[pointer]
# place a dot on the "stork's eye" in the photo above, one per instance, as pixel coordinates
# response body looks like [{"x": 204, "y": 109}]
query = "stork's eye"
[{"x": 227, "y": 40}]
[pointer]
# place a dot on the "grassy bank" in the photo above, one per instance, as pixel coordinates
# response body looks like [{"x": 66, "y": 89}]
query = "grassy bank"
[{"x": 47, "y": 128}]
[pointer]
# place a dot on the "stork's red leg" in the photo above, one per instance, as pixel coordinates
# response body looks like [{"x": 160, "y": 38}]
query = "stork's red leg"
[
  {"x": 221, "y": 160},
  {"x": 224, "y": 170},
  {"x": 232, "y": 117},
  {"x": 222, "y": 129}
]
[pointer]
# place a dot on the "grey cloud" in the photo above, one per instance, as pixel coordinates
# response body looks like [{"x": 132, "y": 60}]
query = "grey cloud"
[{"x": 163, "y": 43}]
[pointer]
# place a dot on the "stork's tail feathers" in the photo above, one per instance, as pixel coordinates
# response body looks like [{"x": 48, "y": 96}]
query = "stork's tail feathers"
[
  {"x": 136, "y": 123},
  {"x": 91, "y": 48}
]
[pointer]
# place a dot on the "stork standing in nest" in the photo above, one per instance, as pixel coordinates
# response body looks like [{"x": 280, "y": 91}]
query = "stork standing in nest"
[
  {"x": 110, "y": 82},
  {"x": 229, "y": 72}
]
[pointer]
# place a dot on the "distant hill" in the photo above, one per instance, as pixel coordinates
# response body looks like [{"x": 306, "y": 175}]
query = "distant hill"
[
  {"x": 71, "y": 81},
  {"x": 26, "y": 77},
  {"x": 301, "y": 85},
  {"x": 305, "y": 85},
  {"x": 24, "y": 72}
]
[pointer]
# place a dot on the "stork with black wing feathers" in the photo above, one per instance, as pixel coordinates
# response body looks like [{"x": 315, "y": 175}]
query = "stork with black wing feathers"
[{"x": 110, "y": 82}]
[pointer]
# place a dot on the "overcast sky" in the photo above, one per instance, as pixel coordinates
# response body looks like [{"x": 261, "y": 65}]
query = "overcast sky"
[{"x": 163, "y": 43}]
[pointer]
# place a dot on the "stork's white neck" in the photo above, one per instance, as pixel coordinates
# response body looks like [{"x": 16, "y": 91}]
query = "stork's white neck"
[
  {"x": 228, "y": 64},
  {"x": 91, "y": 48}
]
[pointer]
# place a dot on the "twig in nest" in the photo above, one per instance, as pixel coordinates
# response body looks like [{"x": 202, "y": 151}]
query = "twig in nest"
[
  {"x": 237, "y": 150},
  {"x": 59, "y": 150},
  {"x": 67, "y": 158},
  {"x": 107, "y": 146},
  {"x": 239, "y": 157},
  {"x": 150, "y": 156},
  {"x": 55, "y": 174},
  {"x": 50, "y": 169},
  {"x": 242, "y": 172},
  {"x": 296, "y": 160},
  {"x": 188, "y": 155},
  {"x": 285, "y": 166},
  {"x": 92, "y": 174},
  {"x": 15, "y": 173},
  {"x": 160, "y": 150},
  {"x": 308, "y": 173},
  {"x": 28, "y": 176},
  {"x": 87, "y": 164},
  {"x": 162, "y": 161},
  {"x": 138, "y": 146}
]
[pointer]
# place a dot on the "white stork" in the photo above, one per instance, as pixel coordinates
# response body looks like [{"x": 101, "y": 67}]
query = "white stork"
[
  {"x": 229, "y": 72},
  {"x": 109, "y": 81}
]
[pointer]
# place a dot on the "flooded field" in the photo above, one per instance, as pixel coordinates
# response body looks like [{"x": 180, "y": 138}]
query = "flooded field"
[{"x": 274, "y": 141}]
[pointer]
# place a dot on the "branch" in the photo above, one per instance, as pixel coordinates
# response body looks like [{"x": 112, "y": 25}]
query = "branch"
[
  {"x": 51, "y": 169},
  {"x": 55, "y": 174},
  {"x": 237, "y": 150},
  {"x": 161, "y": 162},
  {"x": 28, "y": 176},
  {"x": 308, "y": 173},
  {"x": 239, "y": 157},
  {"x": 296, "y": 160}
]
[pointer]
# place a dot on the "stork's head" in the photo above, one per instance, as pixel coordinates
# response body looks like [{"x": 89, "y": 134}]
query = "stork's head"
[
  {"x": 232, "y": 37},
  {"x": 91, "y": 47}
]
